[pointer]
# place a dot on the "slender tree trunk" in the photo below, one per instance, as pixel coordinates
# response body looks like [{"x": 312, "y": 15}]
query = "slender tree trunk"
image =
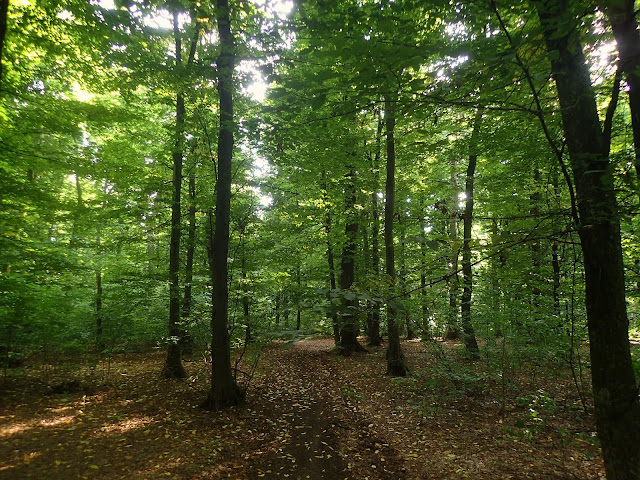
[
  {"x": 286, "y": 308},
  {"x": 555, "y": 259},
  {"x": 495, "y": 267},
  {"x": 375, "y": 339},
  {"x": 173, "y": 365},
  {"x": 186, "y": 340},
  {"x": 536, "y": 264},
  {"x": 426, "y": 321},
  {"x": 452, "y": 331},
  {"x": 467, "y": 273},
  {"x": 614, "y": 384},
  {"x": 348, "y": 325},
  {"x": 224, "y": 390},
  {"x": 366, "y": 251},
  {"x": 245, "y": 291},
  {"x": 396, "y": 364},
  {"x": 403, "y": 274},
  {"x": 330, "y": 256}
]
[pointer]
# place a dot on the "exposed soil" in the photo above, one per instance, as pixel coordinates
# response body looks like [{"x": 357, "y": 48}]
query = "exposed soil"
[{"x": 310, "y": 414}]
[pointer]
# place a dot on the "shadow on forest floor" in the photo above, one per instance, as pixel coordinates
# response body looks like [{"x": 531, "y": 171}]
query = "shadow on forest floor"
[{"x": 310, "y": 414}]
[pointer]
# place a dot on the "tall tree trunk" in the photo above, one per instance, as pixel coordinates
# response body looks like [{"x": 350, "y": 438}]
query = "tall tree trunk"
[
  {"x": 375, "y": 339},
  {"x": 224, "y": 390},
  {"x": 452, "y": 332},
  {"x": 426, "y": 321},
  {"x": 614, "y": 384},
  {"x": 173, "y": 365},
  {"x": 555, "y": 258},
  {"x": 245, "y": 289},
  {"x": 403, "y": 274},
  {"x": 396, "y": 364},
  {"x": 622, "y": 17},
  {"x": 536, "y": 275},
  {"x": 348, "y": 324},
  {"x": 186, "y": 340},
  {"x": 330, "y": 256},
  {"x": 467, "y": 273}
]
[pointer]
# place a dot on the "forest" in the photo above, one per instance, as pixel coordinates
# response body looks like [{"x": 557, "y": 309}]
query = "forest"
[{"x": 319, "y": 239}]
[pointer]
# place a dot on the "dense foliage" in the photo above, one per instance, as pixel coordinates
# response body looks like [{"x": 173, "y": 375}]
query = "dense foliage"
[{"x": 103, "y": 103}]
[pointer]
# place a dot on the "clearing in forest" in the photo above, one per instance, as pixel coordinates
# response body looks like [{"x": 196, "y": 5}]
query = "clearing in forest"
[{"x": 310, "y": 414}]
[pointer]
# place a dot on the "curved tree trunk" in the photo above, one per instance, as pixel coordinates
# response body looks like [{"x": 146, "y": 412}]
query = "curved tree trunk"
[
  {"x": 396, "y": 364},
  {"x": 614, "y": 384},
  {"x": 224, "y": 390}
]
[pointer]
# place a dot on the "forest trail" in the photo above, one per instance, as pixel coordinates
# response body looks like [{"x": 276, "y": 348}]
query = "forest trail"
[
  {"x": 317, "y": 423},
  {"x": 310, "y": 414}
]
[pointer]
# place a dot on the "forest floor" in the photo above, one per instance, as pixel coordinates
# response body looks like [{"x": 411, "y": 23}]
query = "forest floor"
[{"x": 310, "y": 414}]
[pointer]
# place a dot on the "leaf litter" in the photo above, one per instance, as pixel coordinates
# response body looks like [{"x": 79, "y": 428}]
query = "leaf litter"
[{"x": 310, "y": 414}]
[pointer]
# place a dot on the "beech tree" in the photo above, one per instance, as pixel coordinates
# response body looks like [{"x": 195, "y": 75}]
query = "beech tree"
[
  {"x": 224, "y": 390},
  {"x": 614, "y": 383}
]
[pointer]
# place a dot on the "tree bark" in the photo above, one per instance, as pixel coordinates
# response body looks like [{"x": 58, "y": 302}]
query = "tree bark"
[
  {"x": 245, "y": 289},
  {"x": 375, "y": 339},
  {"x": 426, "y": 321},
  {"x": 330, "y": 256},
  {"x": 173, "y": 365},
  {"x": 403, "y": 274},
  {"x": 452, "y": 331},
  {"x": 555, "y": 258},
  {"x": 186, "y": 340},
  {"x": 536, "y": 264},
  {"x": 396, "y": 364},
  {"x": 614, "y": 383},
  {"x": 348, "y": 324},
  {"x": 224, "y": 390},
  {"x": 467, "y": 273}
]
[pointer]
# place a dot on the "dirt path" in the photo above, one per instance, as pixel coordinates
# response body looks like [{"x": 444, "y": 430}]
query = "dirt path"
[{"x": 318, "y": 425}]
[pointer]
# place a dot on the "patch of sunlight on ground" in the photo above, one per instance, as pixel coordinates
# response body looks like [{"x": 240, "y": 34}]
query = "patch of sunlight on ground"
[
  {"x": 52, "y": 422},
  {"x": 127, "y": 424},
  {"x": 13, "y": 429}
]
